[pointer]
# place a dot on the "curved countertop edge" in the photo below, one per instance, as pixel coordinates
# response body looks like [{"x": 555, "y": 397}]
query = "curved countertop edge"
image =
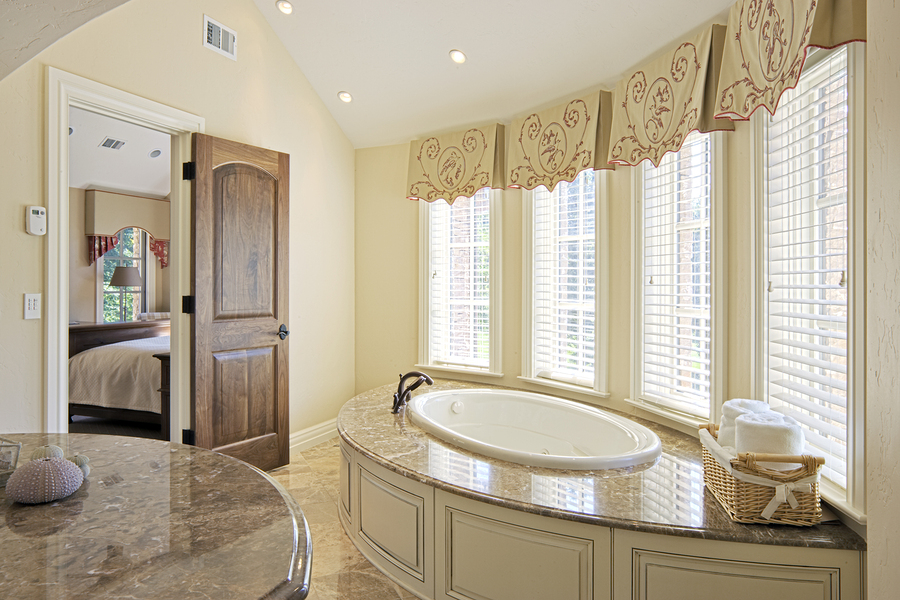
[
  {"x": 296, "y": 585},
  {"x": 294, "y": 582},
  {"x": 841, "y": 537}
]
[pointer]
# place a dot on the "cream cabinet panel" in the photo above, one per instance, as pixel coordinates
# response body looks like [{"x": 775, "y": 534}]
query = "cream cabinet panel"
[
  {"x": 655, "y": 567},
  {"x": 393, "y": 524},
  {"x": 392, "y": 521},
  {"x": 503, "y": 555},
  {"x": 533, "y": 563},
  {"x": 345, "y": 483}
]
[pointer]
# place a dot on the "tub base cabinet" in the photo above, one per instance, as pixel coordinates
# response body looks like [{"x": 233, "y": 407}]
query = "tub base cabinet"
[
  {"x": 658, "y": 567},
  {"x": 486, "y": 552},
  {"x": 442, "y": 546}
]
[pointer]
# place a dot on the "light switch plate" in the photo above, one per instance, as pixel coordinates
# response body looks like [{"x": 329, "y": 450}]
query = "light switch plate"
[{"x": 32, "y": 306}]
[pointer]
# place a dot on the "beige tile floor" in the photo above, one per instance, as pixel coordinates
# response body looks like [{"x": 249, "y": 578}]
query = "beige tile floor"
[{"x": 339, "y": 571}]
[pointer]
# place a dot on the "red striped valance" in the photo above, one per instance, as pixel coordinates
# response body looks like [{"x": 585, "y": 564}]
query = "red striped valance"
[{"x": 98, "y": 245}]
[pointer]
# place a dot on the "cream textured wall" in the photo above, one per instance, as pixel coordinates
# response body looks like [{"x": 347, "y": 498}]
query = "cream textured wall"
[
  {"x": 387, "y": 292},
  {"x": 152, "y": 48},
  {"x": 82, "y": 275},
  {"x": 882, "y": 294}
]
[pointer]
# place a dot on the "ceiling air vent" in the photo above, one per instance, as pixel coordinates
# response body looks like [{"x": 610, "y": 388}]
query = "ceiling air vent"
[
  {"x": 111, "y": 143},
  {"x": 219, "y": 38}
]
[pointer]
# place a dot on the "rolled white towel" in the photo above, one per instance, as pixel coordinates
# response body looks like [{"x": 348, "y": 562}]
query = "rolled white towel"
[
  {"x": 769, "y": 432},
  {"x": 732, "y": 410}
]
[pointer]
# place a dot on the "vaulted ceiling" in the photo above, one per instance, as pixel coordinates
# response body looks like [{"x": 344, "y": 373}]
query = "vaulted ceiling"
[{"x": 392, "y": 55}]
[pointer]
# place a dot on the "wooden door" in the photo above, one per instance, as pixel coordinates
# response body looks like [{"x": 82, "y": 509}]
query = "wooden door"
[{"x": 239, "y": 361}]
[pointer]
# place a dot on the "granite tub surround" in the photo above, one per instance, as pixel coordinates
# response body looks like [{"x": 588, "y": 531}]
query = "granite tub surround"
[
  {"x": 667, "y": 497},
  {"x": 154, "y": 520}
]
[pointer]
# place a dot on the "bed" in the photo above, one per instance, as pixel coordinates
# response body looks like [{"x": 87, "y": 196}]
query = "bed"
[{"x": 120, "y": 371}]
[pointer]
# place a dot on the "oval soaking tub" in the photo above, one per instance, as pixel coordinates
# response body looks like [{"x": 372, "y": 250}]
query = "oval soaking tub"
[{"x": 534, "y": 429}]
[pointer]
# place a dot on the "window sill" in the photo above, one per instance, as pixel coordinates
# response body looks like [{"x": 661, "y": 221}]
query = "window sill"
[
  {"x": 693, "y": 422},
  {"x": 460, "y": 370},
  {"x": 836, "y": 499},
  {"x": 565, "y": 386}
]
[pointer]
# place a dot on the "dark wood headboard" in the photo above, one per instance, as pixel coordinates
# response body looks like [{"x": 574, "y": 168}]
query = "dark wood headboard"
[{"x": 90, "y": 335}]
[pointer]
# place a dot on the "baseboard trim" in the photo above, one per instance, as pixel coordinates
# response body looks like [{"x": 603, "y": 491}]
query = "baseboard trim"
[{"x": 313, "y": 436}]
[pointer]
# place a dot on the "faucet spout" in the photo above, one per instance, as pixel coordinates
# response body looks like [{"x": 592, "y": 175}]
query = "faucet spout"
[{"x": 403, "y": 394}]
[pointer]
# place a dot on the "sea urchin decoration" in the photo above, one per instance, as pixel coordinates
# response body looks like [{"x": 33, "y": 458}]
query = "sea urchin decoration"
[
  {"x": 44, "y": 480},
  {"x": 47, "y": 452},
  {"x": 81, "y": 461}
]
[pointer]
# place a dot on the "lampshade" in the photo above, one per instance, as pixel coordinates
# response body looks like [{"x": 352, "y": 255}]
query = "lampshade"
[{"x": 126, "y": 277}]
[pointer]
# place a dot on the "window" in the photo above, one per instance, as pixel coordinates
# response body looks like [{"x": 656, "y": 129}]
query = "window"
[
  {"x": 675, "y": 256},
  {"x": 810, "y": 320},
  {"x": 124, "y": 303},
  {"x": 460, "y": 243},
  {"x": 566, "y": 336}
]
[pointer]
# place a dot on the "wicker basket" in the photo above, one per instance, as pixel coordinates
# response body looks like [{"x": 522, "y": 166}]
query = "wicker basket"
[{"x": 748, "y": 501}]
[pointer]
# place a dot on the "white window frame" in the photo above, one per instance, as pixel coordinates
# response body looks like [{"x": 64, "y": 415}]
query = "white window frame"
[
  {"x": 148, "y": 273},
  {"x": 852, "y": 500},
  {"x": 600, "y": 386},
  {"x": 426, "y": 361},
  {"x": 718, "y": 317}
]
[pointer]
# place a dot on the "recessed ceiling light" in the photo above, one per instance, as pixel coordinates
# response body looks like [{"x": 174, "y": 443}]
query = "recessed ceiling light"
[
  {"x": 155, "y": 153},
  {"x": 457, "y": 56},
  {"x": 345, "y": 96},
  {"x": 285, "y": 6}
]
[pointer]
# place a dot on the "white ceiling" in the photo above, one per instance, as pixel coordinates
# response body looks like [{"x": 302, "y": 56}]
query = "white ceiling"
[
  {"x": 392, "y": 55},
  {"x": 129, "y": 169}
]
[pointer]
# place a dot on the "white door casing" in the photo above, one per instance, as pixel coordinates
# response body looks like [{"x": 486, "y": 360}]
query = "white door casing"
[{"x": 64, "y": 91}]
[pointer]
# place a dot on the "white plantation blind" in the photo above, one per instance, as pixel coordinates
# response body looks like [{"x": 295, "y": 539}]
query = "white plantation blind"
[
  {"x": 806, "y": 258},
  {"x": 676, "y": 279},
  {"x": 459, "y": 299},
  {"x": 564, "y": 264}
]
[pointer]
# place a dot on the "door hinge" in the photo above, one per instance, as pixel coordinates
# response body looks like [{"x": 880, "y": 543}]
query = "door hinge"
[
  {"x": 188, "y": 304},
  {"x": 188, "y": 437},
  {"x": 189, "y": 171}
]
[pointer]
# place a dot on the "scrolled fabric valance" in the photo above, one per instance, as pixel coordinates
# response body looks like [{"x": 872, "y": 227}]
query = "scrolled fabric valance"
[
  {"x": 457, "y": 164},
  {"x": 160, "y": 249},
  {"x": 767, "y": 43},
  {"x": 557, "y": 144},
  {"x": 98, "y": 245},
  {"x": 660, "y": 104}
]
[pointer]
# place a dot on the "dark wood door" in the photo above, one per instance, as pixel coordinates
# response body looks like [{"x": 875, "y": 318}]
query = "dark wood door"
[{"x": 240, "y": 263}]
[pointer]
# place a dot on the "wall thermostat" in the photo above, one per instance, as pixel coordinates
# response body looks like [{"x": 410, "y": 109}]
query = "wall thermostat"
[{"x": 36, "y": 220}]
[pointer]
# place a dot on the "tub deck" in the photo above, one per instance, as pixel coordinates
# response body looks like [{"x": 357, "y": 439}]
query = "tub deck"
[{"x": 666, "y": 497}]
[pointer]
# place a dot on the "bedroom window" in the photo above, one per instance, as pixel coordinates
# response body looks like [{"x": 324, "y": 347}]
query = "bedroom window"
[
  {"x": 565, "y": 318},
  {"x": 675, "y": 283},
  {"x": 460, "y": 299},
  {"x": 811, "y": 245},
  {"x": 124, "y": 303}
]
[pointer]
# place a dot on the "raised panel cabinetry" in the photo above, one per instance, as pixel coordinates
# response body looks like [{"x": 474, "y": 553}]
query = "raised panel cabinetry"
[
  {"x": 483, "y": 552},
  {"x": 443, "y": 546},
  {"x": 392, "y": 523},
  {"x": 658, "y": 567}
]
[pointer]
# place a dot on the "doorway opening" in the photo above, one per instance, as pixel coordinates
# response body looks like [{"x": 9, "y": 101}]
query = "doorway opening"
[
  {"x": 68, "y": 92},
  {"x": 119, "y": 238}
]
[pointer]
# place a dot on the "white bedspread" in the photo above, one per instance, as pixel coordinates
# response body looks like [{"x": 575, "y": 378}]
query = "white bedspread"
[{"x": 122, "y": 375}]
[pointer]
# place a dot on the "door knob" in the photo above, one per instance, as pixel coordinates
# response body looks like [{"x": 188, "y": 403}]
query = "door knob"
[{"x": 283, "y": 332}]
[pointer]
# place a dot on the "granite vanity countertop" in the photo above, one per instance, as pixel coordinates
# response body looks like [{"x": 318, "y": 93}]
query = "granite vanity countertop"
[
  {"x": 666, "y": 497},
  {"x": 154, "y": 520}
]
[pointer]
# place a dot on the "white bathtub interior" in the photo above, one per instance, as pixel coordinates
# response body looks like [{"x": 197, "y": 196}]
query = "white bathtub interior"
[{"x": 534, "y": 429}]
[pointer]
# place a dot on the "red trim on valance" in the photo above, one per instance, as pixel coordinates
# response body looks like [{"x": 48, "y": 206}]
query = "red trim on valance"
[
  {"x": 98, "y": 245},
  {"x": 160, "y": 248}
]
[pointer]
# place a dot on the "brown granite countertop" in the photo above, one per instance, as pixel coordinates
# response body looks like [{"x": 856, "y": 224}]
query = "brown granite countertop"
[
  {"x": 154, "y": 520},
  {"x": 666, "y": 497}
]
